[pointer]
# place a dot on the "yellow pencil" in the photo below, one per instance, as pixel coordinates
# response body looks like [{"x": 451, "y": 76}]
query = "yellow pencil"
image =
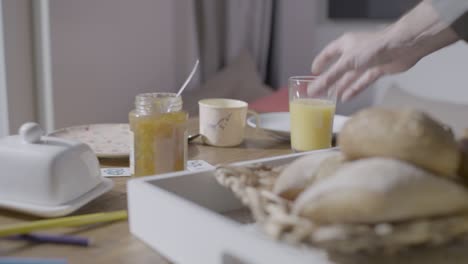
[{"x": 79, "y": 220}]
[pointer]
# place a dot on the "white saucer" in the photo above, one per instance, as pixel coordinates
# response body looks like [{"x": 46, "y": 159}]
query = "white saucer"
[
  {"x": 59, "y": 210},
  {"x": 278, "y": 124}
]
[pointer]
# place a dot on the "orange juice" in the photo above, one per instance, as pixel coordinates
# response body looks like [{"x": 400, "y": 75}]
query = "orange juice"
[{"x": 311, "y": 123}]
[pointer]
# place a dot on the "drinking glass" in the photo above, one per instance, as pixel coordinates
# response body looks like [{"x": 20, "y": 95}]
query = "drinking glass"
[{"x": 311, "y": 115}]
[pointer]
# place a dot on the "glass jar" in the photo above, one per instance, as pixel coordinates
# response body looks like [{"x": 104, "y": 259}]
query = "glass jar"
[{"x": 159, "y": 127}]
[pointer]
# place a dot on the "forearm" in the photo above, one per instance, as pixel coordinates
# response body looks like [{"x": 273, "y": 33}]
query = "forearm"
[{"x": 421, "y": 28}]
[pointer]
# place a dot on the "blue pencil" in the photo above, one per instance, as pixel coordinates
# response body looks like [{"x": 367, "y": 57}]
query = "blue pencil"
[
  {"x": 31, "y": 261},
  {"x": 55, "y": 239}
]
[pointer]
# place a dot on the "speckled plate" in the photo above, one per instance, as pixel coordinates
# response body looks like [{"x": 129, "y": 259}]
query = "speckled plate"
[{"x": 106, "y": 140}]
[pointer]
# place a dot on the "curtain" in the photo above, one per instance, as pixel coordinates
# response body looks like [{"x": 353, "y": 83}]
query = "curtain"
[{"x": 228, "y": 29}]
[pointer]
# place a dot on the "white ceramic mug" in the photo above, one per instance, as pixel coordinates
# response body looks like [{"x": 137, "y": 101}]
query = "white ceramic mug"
[{"x": 222, "y": 121}]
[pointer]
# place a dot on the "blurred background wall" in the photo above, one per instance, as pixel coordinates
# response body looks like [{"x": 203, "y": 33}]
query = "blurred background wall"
[{"x": 104, "y": 52}]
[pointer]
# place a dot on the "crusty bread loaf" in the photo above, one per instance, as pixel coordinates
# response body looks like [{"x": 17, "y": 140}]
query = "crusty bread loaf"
[
  {"x": 380, "y": 190},
  {"x": 306, "y": 170},
  {"x": 407, "y": 135},
  {"x": 463, "y": 165}
]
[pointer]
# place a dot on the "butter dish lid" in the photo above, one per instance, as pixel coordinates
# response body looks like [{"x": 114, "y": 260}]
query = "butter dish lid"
[{"x": 31, "y": 137}]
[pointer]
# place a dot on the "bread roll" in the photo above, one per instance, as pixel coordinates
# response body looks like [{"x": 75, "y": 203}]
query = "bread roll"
[
  {"x": 305, "y": 171},
  {"x": 463, "y": 166},
  {"x": 380, "y": 190},
  {"x": 407, "y": 135}
]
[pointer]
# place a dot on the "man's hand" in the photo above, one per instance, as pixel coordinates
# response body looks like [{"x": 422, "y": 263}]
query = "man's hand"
[{"x": 359, "y": 59}]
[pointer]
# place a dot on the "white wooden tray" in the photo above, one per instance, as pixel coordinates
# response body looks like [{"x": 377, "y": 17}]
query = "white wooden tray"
[{"x": 185, "y": 216}]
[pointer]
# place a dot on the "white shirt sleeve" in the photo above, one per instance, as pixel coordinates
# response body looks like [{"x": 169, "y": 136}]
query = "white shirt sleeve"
[{"x": 455, "y": 14}]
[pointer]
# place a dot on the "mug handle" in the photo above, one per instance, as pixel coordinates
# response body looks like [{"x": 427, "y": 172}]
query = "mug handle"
[{"x": 257, "y": 118}]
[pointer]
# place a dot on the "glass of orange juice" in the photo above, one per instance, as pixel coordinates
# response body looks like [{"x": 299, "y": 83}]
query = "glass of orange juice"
[{"x": 311, "y": 115}]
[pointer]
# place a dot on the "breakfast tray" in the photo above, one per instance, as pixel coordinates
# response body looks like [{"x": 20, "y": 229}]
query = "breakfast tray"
[{"x": 191, "y": 218}]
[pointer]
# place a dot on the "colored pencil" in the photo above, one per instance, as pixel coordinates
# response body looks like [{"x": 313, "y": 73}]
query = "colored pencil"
[
  {"x": 53, "y": 239},
  {"x": 9, "y": 260},
  {"x": 80, "y": 220}
]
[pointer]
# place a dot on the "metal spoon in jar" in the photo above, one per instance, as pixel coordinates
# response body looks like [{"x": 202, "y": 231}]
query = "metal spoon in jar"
[
  {"x": 195, "y": 67},
  {"x": 187, "y": 81}
]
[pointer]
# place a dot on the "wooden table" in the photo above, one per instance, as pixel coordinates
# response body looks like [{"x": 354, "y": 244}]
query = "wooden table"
[{"x": 113, "y": 242}]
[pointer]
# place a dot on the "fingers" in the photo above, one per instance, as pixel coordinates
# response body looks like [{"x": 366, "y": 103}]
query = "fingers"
[
  {"x": 347, "y": 79},
  {"x": 362, "y": 82},
  {"x": 326, "y": 80},
  {"x": 328, "y": 54}
]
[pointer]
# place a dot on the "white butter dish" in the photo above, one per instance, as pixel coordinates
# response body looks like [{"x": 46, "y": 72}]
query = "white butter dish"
[
  {"x": 58, "y": 210},
  {"x": 47, "y": 176}
]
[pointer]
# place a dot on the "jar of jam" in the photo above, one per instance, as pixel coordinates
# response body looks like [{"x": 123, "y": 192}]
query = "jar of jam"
[{"x": 159, "y": 132}]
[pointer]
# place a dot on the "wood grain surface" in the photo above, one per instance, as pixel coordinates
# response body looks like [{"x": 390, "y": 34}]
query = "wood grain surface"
[{"x": 112, "y": 242}]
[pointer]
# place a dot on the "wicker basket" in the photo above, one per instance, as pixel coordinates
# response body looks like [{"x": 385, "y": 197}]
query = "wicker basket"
[{"x": 253, "y": 185}]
